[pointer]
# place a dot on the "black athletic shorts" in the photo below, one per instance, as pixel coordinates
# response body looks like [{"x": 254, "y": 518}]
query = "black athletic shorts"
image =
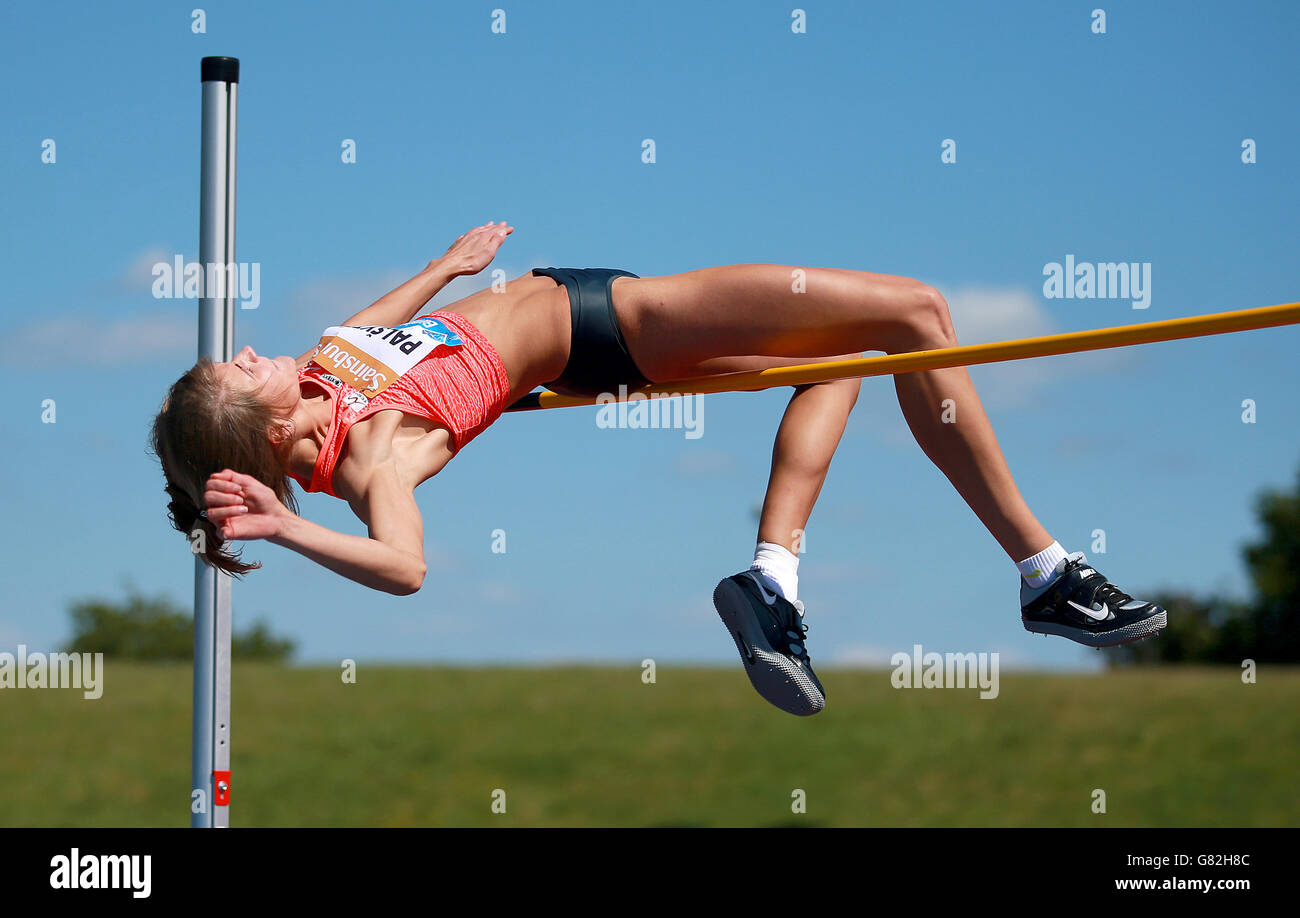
[{"x": 599, "y": 361}]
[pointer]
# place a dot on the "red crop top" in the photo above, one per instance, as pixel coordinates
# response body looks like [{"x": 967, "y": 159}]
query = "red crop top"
[{"x": 459, "y": 381}]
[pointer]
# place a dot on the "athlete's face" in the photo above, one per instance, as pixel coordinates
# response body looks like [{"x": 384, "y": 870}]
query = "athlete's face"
[{"x": 274, "y": 380}]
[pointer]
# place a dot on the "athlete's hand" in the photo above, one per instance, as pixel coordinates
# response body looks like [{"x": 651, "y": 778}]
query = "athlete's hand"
[
  {"x": 242, "y": 507},
  {"x": 475, "y": 249}
]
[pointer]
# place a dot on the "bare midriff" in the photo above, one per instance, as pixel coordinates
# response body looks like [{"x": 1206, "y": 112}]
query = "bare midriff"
[{"x": 527, "y": 322}]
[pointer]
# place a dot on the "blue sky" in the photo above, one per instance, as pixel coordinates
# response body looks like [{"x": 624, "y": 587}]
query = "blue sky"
[{"x": 816, "y": 149}]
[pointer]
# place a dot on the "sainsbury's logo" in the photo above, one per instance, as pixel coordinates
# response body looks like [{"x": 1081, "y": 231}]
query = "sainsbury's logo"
[{"x": 365, "y": 376}]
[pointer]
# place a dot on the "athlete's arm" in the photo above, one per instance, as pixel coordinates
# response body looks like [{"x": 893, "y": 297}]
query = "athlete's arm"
[
  {"x": 391, "y": 560},
  {"x": 369, "y": 562},
  {"x": 405, "y": 302},
  {"x": 399, "y": 305},
  {"x": 388, "y": 509},
  {"x": 469, "y": 254}
]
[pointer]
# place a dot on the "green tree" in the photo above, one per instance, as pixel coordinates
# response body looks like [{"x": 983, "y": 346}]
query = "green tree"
[
  {"x": 143, "y": 628},
  {"x": 1274, "y": 564},
  {"x": 1214, "y": 629}
]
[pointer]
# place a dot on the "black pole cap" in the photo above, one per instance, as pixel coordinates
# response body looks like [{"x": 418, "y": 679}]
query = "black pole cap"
[{"x": 220, "y": 69}]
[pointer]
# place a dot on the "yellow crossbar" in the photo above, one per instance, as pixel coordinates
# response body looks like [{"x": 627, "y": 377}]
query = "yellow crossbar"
[{"x": 1218, "y": 323}]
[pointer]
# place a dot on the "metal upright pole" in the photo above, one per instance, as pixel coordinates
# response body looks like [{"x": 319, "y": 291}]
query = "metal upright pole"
[{"x": 210, "y": 770}]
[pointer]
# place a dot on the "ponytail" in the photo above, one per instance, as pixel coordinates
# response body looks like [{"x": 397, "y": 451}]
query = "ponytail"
[{"x": 202, "y": 429}]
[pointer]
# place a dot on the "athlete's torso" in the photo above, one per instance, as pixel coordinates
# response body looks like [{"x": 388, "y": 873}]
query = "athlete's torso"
[
  {"x": 420, "y": 447},
  {"x": 527, "y": 323}
]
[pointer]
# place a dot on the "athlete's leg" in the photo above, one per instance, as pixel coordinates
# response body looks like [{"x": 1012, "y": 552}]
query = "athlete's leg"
[
  {"x": 809, "y": 434},
  {"x": 768, "y": 628},
  {"x": 675, "y": 325},
  {"x": 682, "y": 325}
]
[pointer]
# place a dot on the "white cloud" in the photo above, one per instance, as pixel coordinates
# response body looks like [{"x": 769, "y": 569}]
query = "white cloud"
[
  {"x": 327, "y": 300},
  {"x": 859, "y": 656},
  {"x": 88, "y": 339},
  {"x": 869, "y": 656},
  {"x": 137, "y": 276},
  {"x": 981, "y": 314},
  {"x": 985, "y": 313},
  {"x": 997, "y": 314}
]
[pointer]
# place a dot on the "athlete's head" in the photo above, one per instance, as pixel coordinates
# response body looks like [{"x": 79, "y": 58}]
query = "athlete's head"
[
  {"x": 234, "y": 415},
  {"x": 273, "y": 380}
]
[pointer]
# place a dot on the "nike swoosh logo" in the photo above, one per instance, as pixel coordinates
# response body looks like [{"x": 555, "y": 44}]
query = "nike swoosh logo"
[
  {"x": 744, "y": 648},
  {"x": 769, "y": 598},
  {"x": 1099, "y": 615}
]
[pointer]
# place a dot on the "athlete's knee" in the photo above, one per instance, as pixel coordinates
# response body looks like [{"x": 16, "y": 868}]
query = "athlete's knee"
[
  {"x": 938, "y": 318},
  {"x": 926, "y": 321}
]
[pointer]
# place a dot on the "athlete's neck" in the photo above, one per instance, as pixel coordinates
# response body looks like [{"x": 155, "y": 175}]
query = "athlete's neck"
[{"x": 311, "y": 424}]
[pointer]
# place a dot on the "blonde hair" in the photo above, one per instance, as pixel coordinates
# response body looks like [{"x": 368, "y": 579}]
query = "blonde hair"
[{"x": 205, "y": 427}]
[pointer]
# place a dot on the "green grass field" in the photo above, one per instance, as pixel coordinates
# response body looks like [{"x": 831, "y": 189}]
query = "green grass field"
[{"x": 578, "y": 746}]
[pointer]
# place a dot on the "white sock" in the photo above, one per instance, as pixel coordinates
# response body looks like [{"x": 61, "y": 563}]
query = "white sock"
[
  {"x": 780, "y": 567},
  {"x": 1039, "y": 570}
]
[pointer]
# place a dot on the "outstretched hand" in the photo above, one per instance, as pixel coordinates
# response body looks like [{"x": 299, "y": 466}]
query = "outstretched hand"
[
  {"x": 474, "y": 250},
  {"x": 241, "y": 507}
]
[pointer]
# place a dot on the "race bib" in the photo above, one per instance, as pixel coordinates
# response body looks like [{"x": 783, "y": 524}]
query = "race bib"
[{"x": 370, "y": 358}]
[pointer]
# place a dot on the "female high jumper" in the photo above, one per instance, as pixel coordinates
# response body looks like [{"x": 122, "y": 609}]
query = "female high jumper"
[{"x": 383, "y": 402}]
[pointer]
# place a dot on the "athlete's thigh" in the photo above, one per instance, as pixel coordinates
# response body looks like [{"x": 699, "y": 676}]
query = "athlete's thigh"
[
  {"x": 717, "y": 366},
  {"x": 677, "y": 322}
]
